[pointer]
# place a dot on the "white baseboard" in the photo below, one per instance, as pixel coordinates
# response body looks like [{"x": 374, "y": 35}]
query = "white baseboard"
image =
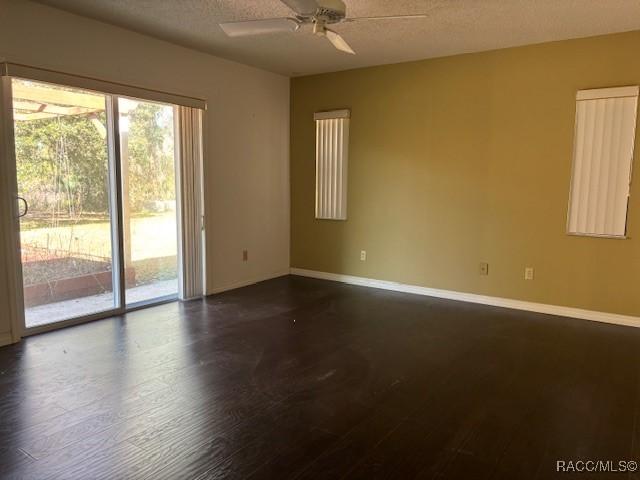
[
  {"x": 245, "y": 283},
  {"x": 473, "y": 298},
  {"x": 5, "y": 339}
]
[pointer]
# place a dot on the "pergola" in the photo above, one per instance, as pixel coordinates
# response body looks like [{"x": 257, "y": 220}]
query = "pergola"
[
  {"x": 40, "y": 101},
  {"x": 35, "y": 102}
]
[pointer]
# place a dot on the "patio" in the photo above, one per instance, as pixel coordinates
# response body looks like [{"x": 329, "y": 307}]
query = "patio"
[{"x": 43, "y": 314}]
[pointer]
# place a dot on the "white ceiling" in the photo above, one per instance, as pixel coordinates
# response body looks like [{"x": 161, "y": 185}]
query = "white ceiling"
[{"x": 453, "y": 26}]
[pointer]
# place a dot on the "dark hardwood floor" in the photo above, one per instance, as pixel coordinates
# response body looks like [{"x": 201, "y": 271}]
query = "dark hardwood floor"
[{"x": 301, "y": 378}]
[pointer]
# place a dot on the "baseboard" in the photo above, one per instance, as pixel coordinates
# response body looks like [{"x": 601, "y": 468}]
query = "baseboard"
[
  {"x": 245, "y": 283},
  {"x": 473, "y": 298},
  {"x": 5, "y": 339}
]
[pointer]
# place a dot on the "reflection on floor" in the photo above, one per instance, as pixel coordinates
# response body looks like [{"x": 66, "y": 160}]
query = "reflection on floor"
[{"x": 53, "y": 312}]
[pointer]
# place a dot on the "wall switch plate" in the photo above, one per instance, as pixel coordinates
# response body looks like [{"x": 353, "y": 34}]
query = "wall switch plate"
[
  {"x": 363, "y": 255},
  {"x": 484, "y": 268},
  {"x": 245, "y": 255},
  {"x": 528, "y": 273}
]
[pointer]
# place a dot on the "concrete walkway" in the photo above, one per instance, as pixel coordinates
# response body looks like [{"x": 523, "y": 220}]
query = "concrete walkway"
[{"x": 58, "y": 311}]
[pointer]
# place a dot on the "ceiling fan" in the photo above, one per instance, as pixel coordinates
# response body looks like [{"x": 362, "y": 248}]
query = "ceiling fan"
[{"x": 320, "y": 13}]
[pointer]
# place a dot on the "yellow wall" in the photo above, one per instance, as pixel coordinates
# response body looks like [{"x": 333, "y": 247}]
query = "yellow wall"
[{"x": 464, "y": 159}]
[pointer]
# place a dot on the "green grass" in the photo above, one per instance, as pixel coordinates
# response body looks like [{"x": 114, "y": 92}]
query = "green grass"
[
  {"x": 36, "y": 220},
  {"x": 152, "y": 236},
  {"x": 41, "y": 220}
]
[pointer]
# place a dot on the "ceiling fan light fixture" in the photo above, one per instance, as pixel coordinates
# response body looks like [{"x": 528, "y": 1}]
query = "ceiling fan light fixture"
[{"x": 319, "y": 27}]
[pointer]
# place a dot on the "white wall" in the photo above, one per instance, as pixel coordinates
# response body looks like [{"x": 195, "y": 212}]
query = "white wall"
[{"x": 247, "y": 130}]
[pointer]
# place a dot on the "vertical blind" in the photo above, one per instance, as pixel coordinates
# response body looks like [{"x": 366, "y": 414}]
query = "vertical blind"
[
  {"x": 332, "y": 152},
  {"x": 602, "y": 159},
  {"x": 189, "y": 128}
]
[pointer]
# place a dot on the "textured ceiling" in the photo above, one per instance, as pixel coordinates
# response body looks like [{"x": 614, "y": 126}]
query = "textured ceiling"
[{"x": 453, "y": 26}]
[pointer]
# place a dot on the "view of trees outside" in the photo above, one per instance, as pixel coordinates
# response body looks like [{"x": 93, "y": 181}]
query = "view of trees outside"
[
  {"x": 62, "y": 164},
  {"x": 151, "y": 164}
]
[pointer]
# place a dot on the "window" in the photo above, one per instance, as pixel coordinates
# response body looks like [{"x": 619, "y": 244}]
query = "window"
[
  {"x": 110, "y": 195},
  {"x": 332, "y": 151},
  {"x": 602, "y": 159}
]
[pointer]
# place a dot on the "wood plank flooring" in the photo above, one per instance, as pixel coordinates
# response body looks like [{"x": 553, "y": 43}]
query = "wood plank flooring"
[{"x": 296, "y": 378}]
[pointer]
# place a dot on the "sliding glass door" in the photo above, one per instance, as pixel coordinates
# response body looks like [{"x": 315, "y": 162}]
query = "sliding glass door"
[{"x": 98, "y": 228}]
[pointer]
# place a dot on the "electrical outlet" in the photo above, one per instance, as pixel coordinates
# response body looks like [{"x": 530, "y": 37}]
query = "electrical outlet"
[
  {"x": 484, "y": 268},
  {"x": 245, "y": 255},
  {"x": 363, "y": 255},
  {"x": 528, "y": 273}
]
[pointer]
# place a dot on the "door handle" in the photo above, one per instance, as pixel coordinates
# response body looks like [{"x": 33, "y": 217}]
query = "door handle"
[{"x": 26, "y": 207}]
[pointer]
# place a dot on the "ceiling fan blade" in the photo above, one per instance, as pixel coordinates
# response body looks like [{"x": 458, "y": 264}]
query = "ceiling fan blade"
[
  {"x": 257, "y": 27},
  {"x": 387, "y": 17},
  {"x": 339, "y": 42},
  {"x": 302, "y": 7}
]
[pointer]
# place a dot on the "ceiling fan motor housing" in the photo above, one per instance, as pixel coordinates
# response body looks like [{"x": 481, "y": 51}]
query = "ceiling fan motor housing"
[{"x": 331, "y": 11}]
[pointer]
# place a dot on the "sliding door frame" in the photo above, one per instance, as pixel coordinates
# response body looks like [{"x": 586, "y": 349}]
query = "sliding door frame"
[
  {"x": 8, "y": 206},
  {"x": 115, "y": 203},
  {"x": 112, "y": 92}
]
